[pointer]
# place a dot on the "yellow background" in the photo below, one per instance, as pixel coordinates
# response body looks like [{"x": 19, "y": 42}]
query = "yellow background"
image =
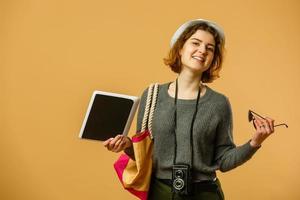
[{"x": 54, "y": 53}]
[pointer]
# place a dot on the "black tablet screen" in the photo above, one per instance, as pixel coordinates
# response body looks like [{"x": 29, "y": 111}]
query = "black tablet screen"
[{"x": 107, "y": 118}]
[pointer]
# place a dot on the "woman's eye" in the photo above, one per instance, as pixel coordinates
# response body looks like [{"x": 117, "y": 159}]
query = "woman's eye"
[
  {"x": 210, "y": 49},
  {"x": 195, "y": 43}
]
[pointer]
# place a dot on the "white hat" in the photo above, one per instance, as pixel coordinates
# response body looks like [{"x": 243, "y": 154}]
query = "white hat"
[{"x": 190, "y": 23}]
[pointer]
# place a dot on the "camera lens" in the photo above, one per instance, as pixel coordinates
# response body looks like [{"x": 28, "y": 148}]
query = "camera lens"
[
  {"x": 179, "y": 174},
  {"x": 178, "y": 184}
]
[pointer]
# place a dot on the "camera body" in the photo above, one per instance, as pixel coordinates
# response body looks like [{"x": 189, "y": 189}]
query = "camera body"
[{"x": 181, "y": 179}]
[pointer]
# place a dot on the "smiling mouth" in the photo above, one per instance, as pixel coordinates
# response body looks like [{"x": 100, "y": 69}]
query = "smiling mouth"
[{"x": 201, "y": 59}]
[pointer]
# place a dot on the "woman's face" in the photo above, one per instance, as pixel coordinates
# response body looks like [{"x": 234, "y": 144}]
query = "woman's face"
[{"x": 197, "y": 52}]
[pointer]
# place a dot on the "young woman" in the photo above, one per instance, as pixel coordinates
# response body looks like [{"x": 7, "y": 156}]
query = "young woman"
[{"x": 192, "y": 124}]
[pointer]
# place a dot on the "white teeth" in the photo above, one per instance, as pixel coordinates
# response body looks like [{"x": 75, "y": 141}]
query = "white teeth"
[{"x": 198, "y": 58}]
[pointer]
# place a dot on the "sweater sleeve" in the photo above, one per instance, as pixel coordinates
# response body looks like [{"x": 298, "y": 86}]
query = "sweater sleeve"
[{"x": 227, "y": 154}]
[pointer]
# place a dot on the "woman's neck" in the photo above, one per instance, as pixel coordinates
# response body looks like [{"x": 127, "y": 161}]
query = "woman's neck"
[
  {"x": 188, "y": 86},
  {"x": 188, "y": 83}
]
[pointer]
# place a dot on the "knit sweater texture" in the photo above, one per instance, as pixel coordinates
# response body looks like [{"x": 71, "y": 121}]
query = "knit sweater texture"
[{"x": 213, "y": 144}]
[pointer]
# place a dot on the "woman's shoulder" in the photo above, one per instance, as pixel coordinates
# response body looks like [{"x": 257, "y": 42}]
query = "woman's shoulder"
[
  {"x": 161, "y": 86},
  {"x": 221, "y": 102},
  {"x": 218, "y": 96}
]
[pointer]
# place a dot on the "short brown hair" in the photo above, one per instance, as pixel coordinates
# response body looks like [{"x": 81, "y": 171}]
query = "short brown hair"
[{"x": 174, "y": 60}]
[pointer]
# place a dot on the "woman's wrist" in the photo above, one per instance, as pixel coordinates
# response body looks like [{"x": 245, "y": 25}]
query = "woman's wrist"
[
  {"x": 129, "y": 150},
  {"x": 128, "y": 142},
  {"x": 254, "y": 144}
]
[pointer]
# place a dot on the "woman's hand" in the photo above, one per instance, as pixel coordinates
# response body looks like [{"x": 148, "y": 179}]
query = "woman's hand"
[
  {"x": 118, "y": 143},
  {"x": 264, "y": 128}
]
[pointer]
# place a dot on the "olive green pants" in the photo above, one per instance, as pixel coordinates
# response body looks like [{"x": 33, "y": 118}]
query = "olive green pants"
[{"x": 162, "y": 191}]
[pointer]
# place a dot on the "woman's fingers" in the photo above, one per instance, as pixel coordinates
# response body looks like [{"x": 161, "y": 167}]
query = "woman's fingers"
[
  {"x": 117, "y": 143},
  {"x": 271, "y": 123},
  {"x": 111, "y": 144},
  {"x": 258, "y": 123},
  {"x": 264, "y": 125},
  {"x": 120, "y": 146},
  {"x": 264, "y": 128},
  {"x": 106, "y": 142}
]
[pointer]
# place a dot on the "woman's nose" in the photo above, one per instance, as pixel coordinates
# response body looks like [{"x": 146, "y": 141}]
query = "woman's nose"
[{"x": 202, "y": 48}]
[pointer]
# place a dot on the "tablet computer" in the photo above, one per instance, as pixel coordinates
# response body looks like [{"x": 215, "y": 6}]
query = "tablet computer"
[{"x": 108, "y": 115}]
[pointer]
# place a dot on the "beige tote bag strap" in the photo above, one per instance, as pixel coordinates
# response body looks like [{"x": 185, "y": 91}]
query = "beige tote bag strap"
[
  {"x": 147, "y": 108},
  {"x": 153, "y": 104}
]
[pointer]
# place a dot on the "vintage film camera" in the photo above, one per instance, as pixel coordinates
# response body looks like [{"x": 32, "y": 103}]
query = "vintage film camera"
[{"x": 181, "y": 179}]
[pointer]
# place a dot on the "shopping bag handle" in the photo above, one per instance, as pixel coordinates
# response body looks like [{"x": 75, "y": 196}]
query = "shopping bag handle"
[{"x": 149, "y": 108}]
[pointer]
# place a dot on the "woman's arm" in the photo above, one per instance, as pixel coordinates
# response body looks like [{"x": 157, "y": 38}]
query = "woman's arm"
[{"x": 227, "y": 154}]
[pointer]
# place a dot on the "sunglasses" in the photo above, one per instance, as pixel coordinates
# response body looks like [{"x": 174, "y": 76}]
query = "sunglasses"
[{"x": 251, "y": 118}]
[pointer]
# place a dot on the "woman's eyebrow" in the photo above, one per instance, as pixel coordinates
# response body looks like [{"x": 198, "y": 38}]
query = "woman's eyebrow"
[{"x": 202, "y": 41}]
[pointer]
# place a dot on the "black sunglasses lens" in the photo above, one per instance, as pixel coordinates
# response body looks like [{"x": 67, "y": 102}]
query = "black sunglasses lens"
[{"x": 250, "y": 116}]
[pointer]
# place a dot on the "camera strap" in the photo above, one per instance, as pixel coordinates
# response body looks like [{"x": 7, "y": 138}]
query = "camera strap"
[{"x": 192, "y": 124}]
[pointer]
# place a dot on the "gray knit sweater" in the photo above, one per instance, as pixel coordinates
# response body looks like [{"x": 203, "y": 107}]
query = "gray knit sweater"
[{"x": 213, "y": 145}]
